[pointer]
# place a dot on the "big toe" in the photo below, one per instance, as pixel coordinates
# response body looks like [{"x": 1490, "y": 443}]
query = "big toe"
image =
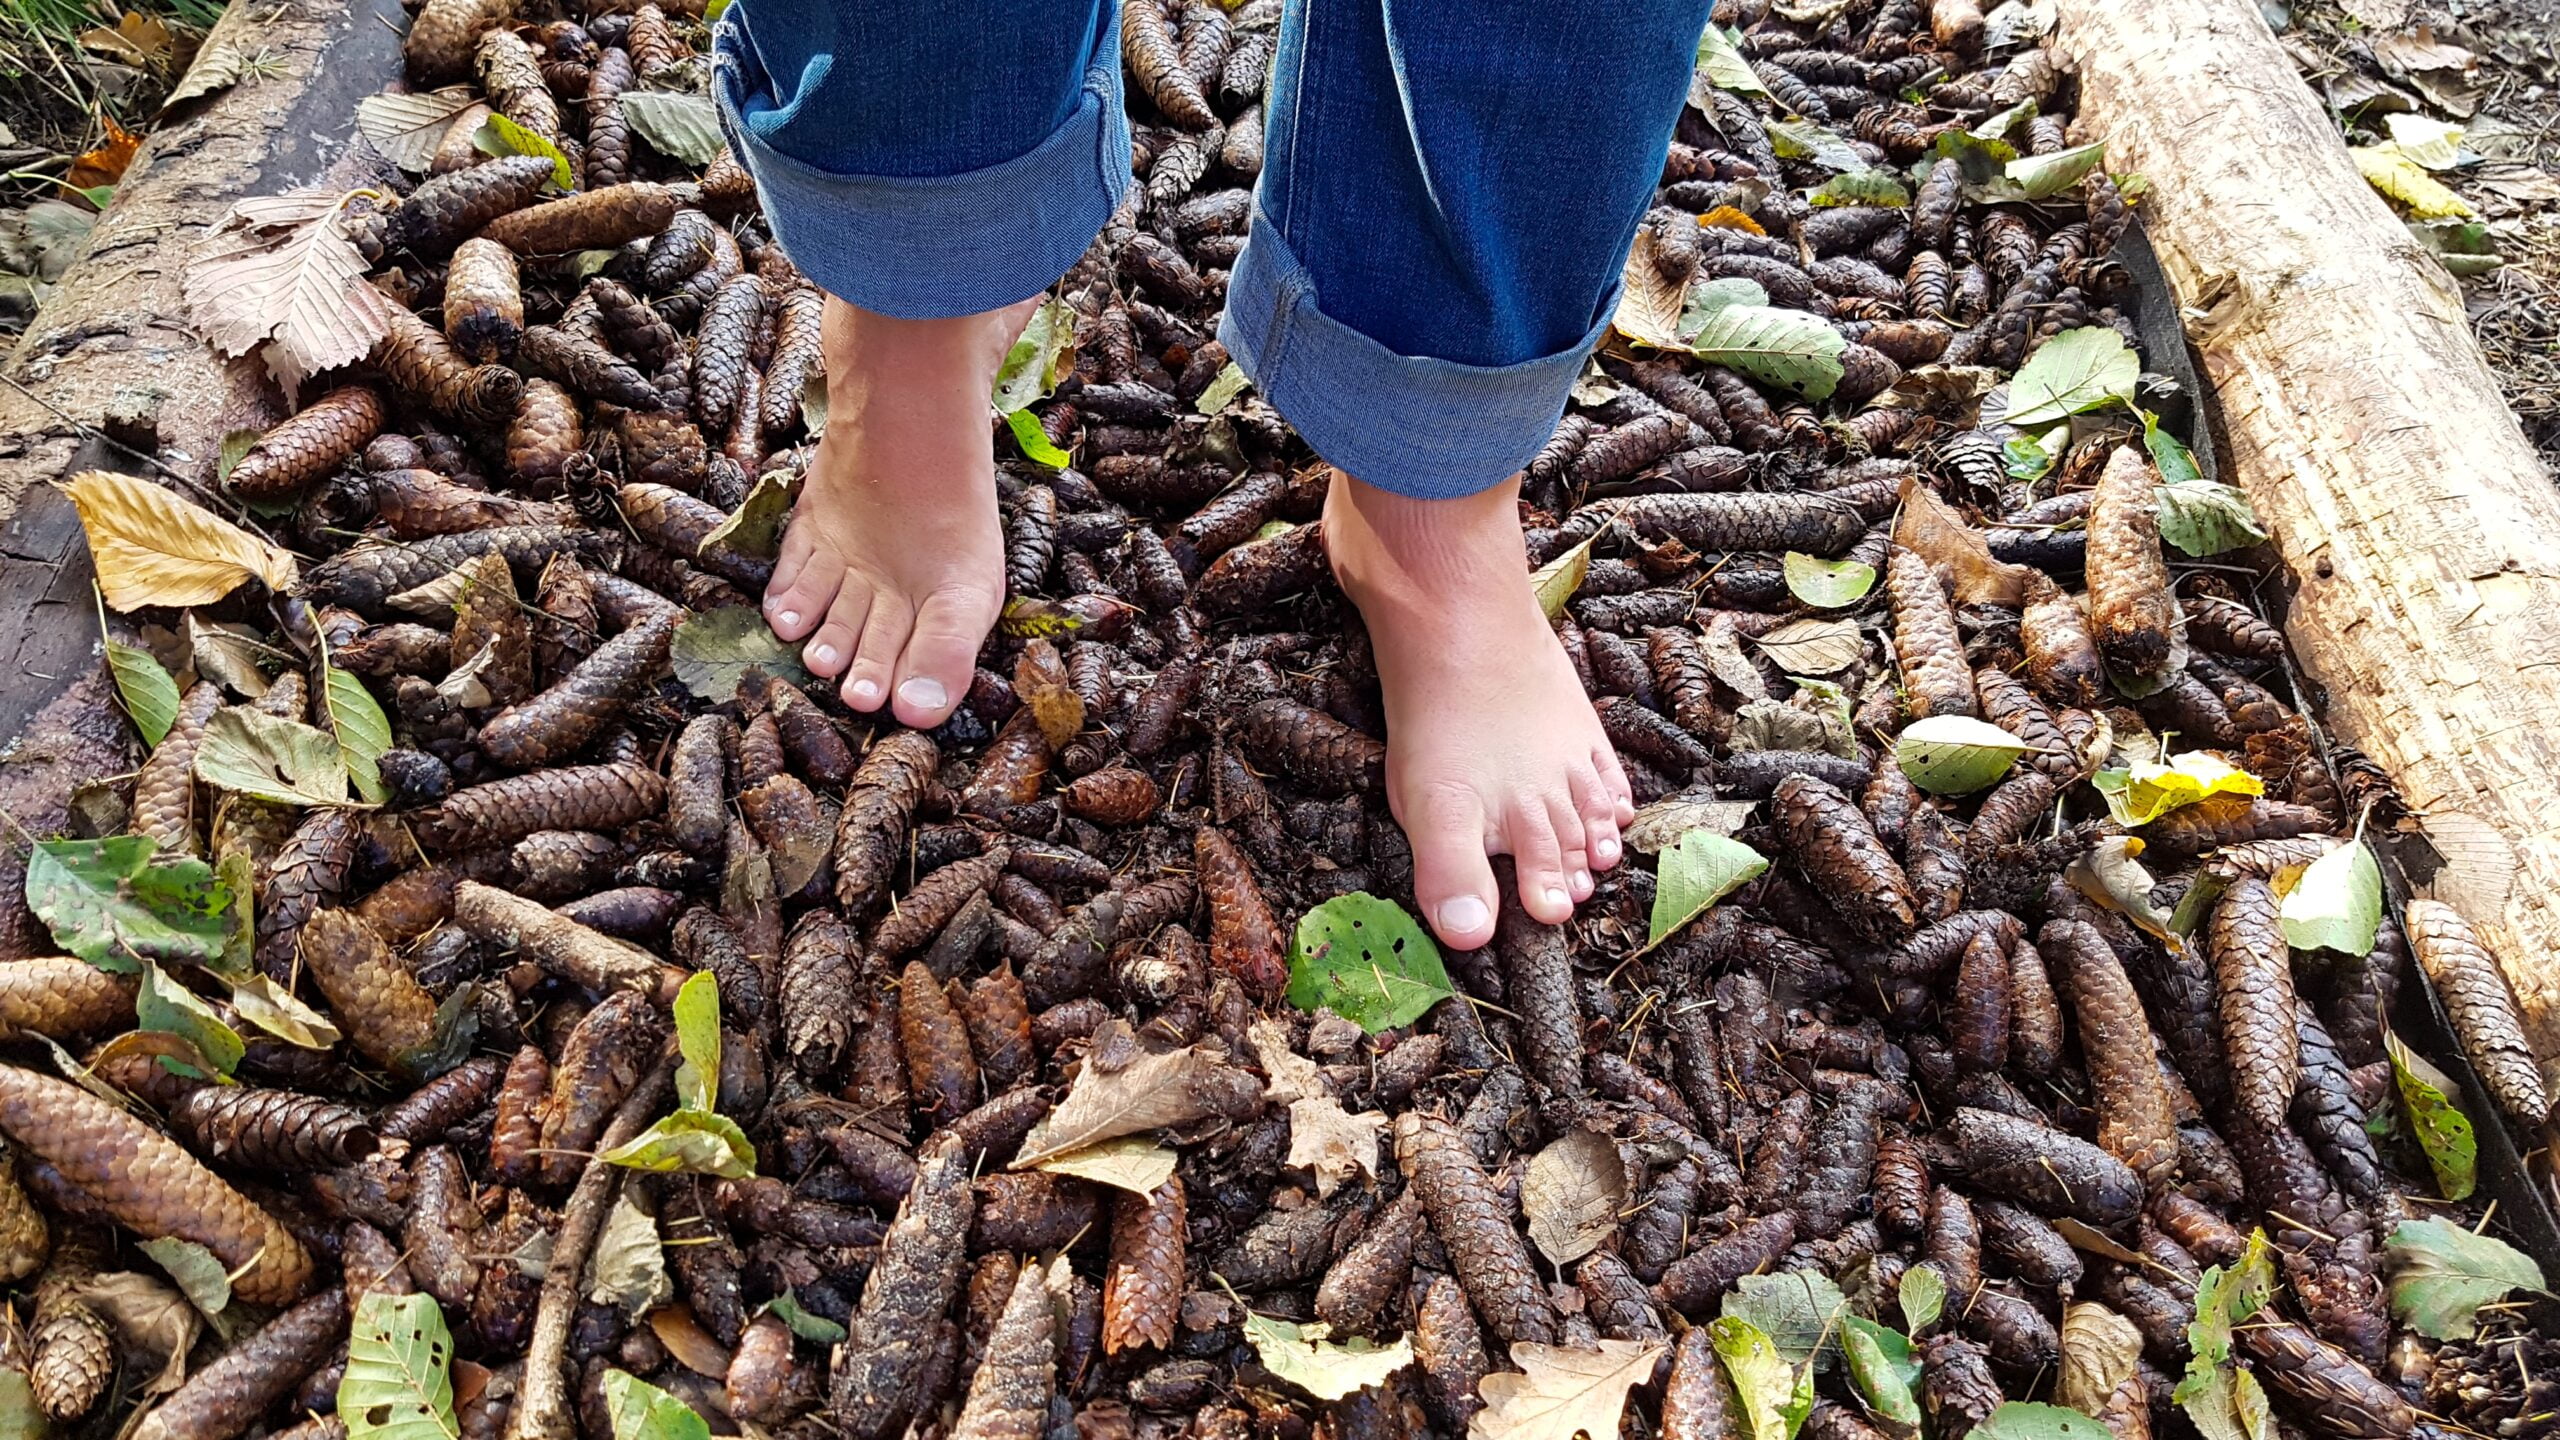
[
  {"x": 1452, "y": 879},
  {"x": 942, "y": 650}
]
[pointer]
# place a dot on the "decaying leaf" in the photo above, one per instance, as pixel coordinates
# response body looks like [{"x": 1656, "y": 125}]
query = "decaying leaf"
[
  {"x": 2441, "y": 1274},
  {"x": 1572, "y": 1194},
  {"x": 1149, "y": 1093},
  {"x": 1324, "y": 1368},
  {"x": 1560, "y": 1392}
]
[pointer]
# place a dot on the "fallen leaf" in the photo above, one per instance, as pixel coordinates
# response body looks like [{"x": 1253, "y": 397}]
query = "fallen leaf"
[
  {"x": 1303, "y": 1356},
  {"x": 1649, "y": 302},
  {"x": 115, "y": 902},
  {"x": 1554, "y": 582},
  {"x": 249, "y": 752},
  {"x": 152, "y": 546},
  {"x": 1814, "y": 647},
  {"x": 2078, "y": 370},
  {"x": 1775, "y": 1396},
  {"x": 1560, "y": 1391},
  {"x": 139, "y": 39},
  {"x": 754, "y": 529},
  {"x": 225, "y": 655},
  {"x": 149, "y": 692},
  {"x": 103, "y": 167},
  {"x": 262, "y": 1002},
  {"x": 1827, "y": 584},
  {"x": 398, "y": 1382},
  {"x": 2111, "y": 875},
  {"x": 1661, "y": 824},
  {"x": 680, "y": 127},
  {"x": 638, "y": 1410},
  {"x": 1955, "y": 754},
  {"x": 2426, "y": 1097},
  {"x": 1332, "y": 1142},
  {"x": 1799, "y": 1310},
  {"x": 2391, "y": 170},
  {"x": 1149, "y": 1093},
  {"x": 1131, "y": 1162},
  {"x": 156, "y": 1323},
  {"x": 1721, "y": 647},
  {"x": 1701, "y": 868},
  {"x": 2027, "y": 1420},
  {"x": 2144, "y": 791},
  {"x": 198, "y": 1271},
  {"x": 689, "y": 1142},
  {"x": 2419, "y": 51},
  {"x": 2337, "y": 904},
  {"x": 713, "y": 651},
  {"x": 1922, "y": 1297},
  {"x": 1040, "y": 681},
  {"x": 1367, "y": 960},
  {"x": 1229, "y": 383},
  {"x": 629, "y": 1268},
  {"x": 2441, "y": 1274},
  {"x": 285, "y": 271},
  {"x": 2436, "y": 144},
  {"x": 218, "y": 68},
  {"x": 1572, "y": 1194},
  {"x": 2099, "y": 1349}
]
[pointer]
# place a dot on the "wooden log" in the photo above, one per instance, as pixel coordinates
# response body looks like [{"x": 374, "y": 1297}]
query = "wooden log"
[{"x": 2421, "y": 532}]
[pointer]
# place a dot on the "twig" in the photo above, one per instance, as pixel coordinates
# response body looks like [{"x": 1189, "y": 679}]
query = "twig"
[{"x": 542, "y": 1405}]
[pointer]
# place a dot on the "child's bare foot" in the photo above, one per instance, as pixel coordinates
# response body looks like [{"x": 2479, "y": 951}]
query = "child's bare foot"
[
  {"x": 893, "y": 568},
  {"x": 1492, "y": 747}
]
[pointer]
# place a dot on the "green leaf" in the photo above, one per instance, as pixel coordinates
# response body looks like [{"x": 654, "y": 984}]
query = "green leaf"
[
  {"x": 237, "y": 875},
  {"x": 712, "y": 651},
  {"x": 164, "y": 1004},
  {"x": 2027, "y": 1420},
  {"x": 2205, "y": 517},
  {"x": 1787, "y": 348},
  {"x": 1720, "y": 61},
  {"x": 2337, "y": 904},
  {"x": 1708, "y": 298},
  {"x": 2028, "y": 457},
  {"x": 1554, "y": 582},
  {"x": 198, "y": 1271},
  {"x": 1982, "y": 161},
  {"x": 691, "y": 1142},
  {"x": 1695, "y": 873},
  {"x": 1999, "y": 126},
  {"x": 697, "y": 1012},
  {"x": 399, "y": 1378},
  {"x": 1798, "y": 1310},
  {"x": 19, "y": 1417},
  {"x": 2249, "y": 1402},
  {"x": 1955, "y": 754},
  {"x": 818, "y": 1328},
  {"x": 1034, "y": 442},
  {"x": 114, "y": 902},
  {"x": 2226, "y": 1297},
  {"x": 754, "y": 529},
  {"x": 1366, "y": 959},
  {"x": 149, "y": 695},
  {"x": 1775, "y": 1396},
  {"x": 2084, "y": 369},
  {"x": 2040, "y": 177},
  {"x": 1922, "y": 1297},
  {"x": 1804, "y": 140},
  {"x": 680, "y": 127},
  {"x": 1883, "y": 1368},
  {"x": 1861, "y": 187},
  {"x": 2176, "y": 462},
  {"x": 1229, "y": 383},
  {"x": 2441, "y": 1274},
  {"x": 1301, "y": 1355},
  {"x": 1038, "y": 359},
  {"x": 642, "y": 1411},
  {"x": 249, "y": 752},
  {"x": 499, "y": 135},
  {"x": 363, "y": 731},
  {"x": 2443, "y": 1131},
  {"x": 236, "y": 444},
  {"x": 1827, "y": 584}
]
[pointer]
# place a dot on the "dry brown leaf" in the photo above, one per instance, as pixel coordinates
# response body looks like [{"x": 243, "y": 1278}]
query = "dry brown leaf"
[
  {"x": 1560, "y": 1392},
  {"x": 1149, "y": 1093},
  {"x": 1649, "y": 305},
  {"x": 1722, "y": 648},
  {"x": 1040, "y": 680},
  {"x": 226, "y": 654},
  {"x": 297, "y": 282},
  {"x": 152, "y": 546},
  {"x": 1814, "y": 647},
  {"x": 1932, "y": 528},
  {"x": 1332, "y": 1142},
  {"x": 106, "y": 164},
  {"x": 156, "y": 1323},
  {"x": 2420, "y": 51},
  {"x": 139, "y": 40},
  {"x": 2099, "y": 1348},
  {"x": 407, "y": 128},
  {"x": 1130, "y": 1163},
  {"x": 1293, "y": 1076},
  {"x": 686, "y": 1340},
  {"x": 1572, "y": 1195}
]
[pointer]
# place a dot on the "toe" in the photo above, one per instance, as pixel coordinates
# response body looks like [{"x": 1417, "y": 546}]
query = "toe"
[
  {"x": 933, "y": 672},
  {"x": 1566, "y": 821},
  {"x": 1613, "y": 781},
  {"x": 806, "y": 579},
  {"x": 1598, "y": 810},
  {"x": 831, "y": 649},
  {"x": 884, "y": 635},
  {"x": 1531, "y": 837},
  {"x": 1452, "y": 879}
]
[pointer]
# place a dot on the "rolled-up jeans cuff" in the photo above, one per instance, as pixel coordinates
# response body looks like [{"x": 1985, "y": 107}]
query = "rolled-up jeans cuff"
[
  {"x": 1418, "y": 426},
  {"x": 935, "y": 246}
]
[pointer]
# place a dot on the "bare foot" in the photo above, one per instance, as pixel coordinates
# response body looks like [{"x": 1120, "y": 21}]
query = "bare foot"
[
  {"x": 1492, "y": 748},
  {"x": 893, "y": 568}
]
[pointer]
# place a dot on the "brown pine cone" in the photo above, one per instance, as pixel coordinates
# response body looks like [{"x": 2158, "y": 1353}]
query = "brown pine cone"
[{"x": 272, "y": 1129}]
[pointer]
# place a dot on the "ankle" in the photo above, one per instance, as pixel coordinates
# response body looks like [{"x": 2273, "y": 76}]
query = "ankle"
[
  {"x": 861, "y": 343},
  {"x": 1400, "y": 552}
]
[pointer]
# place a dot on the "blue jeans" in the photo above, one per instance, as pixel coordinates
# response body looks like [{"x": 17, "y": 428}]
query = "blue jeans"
[{"x": 1448, "y": 193}]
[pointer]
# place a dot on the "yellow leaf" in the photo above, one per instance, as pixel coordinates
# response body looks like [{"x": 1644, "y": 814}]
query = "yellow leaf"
[
  {"x": 2389, "y": 169},
  {"x": 152, "y": 546},
  {"x": 2144, "y": 792},
  {"x": 2436, "y": 144},
  {"x": 1726, "y": 217}
]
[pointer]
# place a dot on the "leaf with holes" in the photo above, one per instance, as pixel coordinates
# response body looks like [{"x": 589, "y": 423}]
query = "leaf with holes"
[
  {"x": 1785, "y": 348},
  {"x": 1039, "y": 359},
  {"x": 1827, "y": 584},
  {"x": 116, "y": 903},
  {"x": 714, "y": 650},
  {"x": 398, "y": 1383},
  {"x": 1955, "y": 754},
  {"x": 249, "y": 752},
  {"x": 1366, "y": 959},
  {"x": 2426, "y": 1096},
  {"x": 2027, "y": 1420}
]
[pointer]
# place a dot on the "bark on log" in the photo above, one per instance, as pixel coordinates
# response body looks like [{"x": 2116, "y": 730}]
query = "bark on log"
[{"x": 2422, "y": 534}]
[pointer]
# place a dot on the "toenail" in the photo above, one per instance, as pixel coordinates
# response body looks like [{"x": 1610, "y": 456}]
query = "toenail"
[
  {"x": 1605, "y": 848},
  {"x": 1556, "y": 896},
  {"x": 1582, "y": 879},
  {"x": 821, "y": 656},
  {"x": 866, "y": 690},
  {"x": 787, "y": 617},
  {"x": 925, "y": 693},
  {"x": 1463, "y": 916}
]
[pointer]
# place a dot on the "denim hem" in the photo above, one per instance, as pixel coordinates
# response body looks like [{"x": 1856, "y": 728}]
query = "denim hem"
[
  {"x": 1418, "y": 426},
  {"x": 933, "y": 247}
]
